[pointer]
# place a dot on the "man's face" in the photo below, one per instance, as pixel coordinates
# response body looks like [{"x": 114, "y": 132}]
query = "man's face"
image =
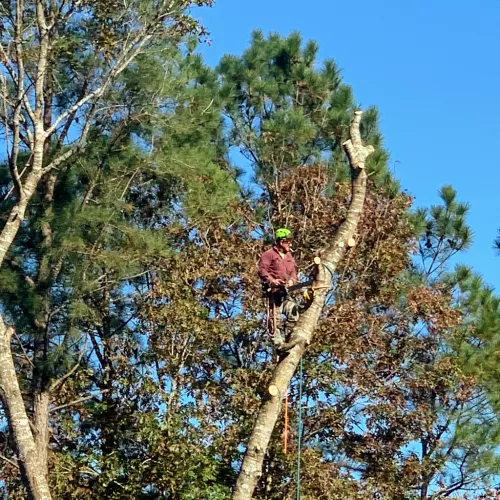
[{"x": 286, "y": 244}]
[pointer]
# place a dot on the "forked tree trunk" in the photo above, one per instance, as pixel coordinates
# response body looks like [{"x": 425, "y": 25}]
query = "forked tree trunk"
[{"x": 251, "y": 469}]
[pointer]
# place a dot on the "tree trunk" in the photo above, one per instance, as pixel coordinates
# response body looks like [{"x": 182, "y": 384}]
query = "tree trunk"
[
  {"x": 18, "y": 212},
  {"x": 251, "y": 469},
  {"x": 41, "y": 427},
  {"x": 32, "y": 468},
  {"x": 41, "y": 128}
]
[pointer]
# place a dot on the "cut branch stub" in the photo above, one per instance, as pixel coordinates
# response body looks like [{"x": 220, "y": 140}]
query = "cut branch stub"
[
  {"x": 357, "y": 152},
  {"x": 273, "y": 390}
]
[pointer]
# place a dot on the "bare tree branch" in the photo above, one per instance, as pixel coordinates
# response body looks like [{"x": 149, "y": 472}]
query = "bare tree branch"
[
  {"x": 124, "y": 60},
  {"x": 8, "y": 460},
  {"x": 77, "y": 401}
]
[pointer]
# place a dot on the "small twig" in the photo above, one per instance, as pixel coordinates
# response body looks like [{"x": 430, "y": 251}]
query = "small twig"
[
  {"x": 61, "y": 380},
  {"x": 8, "y": 460},
  {"x": 208, "y": 107},
  {"x": 23, "y": 349},
  {"x": 79, "y": 400},
  {"x": 128, "y": 184}
]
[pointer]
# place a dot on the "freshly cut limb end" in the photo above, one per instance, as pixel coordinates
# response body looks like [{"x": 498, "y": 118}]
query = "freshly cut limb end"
[{"x": 273, "y": 390}]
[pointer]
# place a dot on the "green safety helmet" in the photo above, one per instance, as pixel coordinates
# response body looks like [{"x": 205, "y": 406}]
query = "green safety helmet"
[{"x": 283, "y": 233}]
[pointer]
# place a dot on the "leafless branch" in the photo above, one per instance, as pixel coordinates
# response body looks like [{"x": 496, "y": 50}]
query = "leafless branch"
[
  {"x": 79, "y": 400},
  {"x": 8, "y": 460},
  {"x": 57, "y": 383},
  {"x": 123, "y": 61}
]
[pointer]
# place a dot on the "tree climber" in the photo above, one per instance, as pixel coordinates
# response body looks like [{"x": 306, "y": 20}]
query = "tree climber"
[{"x": 277, "y": 271}]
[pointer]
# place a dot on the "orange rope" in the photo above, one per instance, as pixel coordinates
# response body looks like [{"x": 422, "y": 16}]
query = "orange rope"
[{"x": 285, "y": 445}]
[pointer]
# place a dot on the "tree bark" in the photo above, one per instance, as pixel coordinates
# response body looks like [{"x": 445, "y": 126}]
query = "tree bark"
[
  {"x": 32, "y": 466},
  {"x": 41, "y": 428},
  {"x": 251, "y": 469},
  {"x": 31, "y": 463},
  {"x": 18, "y": 212}
]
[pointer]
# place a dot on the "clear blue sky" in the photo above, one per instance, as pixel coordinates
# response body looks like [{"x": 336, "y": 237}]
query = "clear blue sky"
[{"x": 431, "y": 67}]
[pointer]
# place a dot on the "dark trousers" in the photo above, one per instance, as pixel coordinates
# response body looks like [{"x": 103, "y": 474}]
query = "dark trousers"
[{"x": 279, "y": 304}]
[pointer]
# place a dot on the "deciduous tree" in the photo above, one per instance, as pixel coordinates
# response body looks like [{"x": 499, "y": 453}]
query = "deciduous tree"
[{"x": 59, "y": 59}]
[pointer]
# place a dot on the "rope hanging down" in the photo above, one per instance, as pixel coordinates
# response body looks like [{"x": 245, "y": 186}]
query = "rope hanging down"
[
  {"x": 299, "y": 429},
  {"x": 285, "y": 432}
]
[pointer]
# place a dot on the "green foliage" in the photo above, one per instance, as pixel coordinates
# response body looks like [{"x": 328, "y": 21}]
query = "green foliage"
[
  {"x": 139, "y": 275},
  {"x": 442, "y": 231},
  {"x": 472, "y": 434},
  {"x": 83, "y": 257},
  {"x": 496, "y": 244},
  {"x": 285, "y": 111}
]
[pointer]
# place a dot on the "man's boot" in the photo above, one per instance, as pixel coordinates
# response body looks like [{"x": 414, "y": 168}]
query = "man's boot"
[
  {"x": 291, "y": 311},
  {"x": 279, "y": 337}
]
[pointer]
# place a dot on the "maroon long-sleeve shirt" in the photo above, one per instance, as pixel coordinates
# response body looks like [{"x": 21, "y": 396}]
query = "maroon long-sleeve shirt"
[{"x": 273, "y": 266}]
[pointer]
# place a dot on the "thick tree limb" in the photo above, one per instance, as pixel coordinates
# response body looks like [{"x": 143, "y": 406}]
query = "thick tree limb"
[
  {"x": 41, "y": 431},
  {"x": 125, "y": 59},
  {"x": 42, "y": 60},
  {"x": 251, "y": 469},
  {"x": 18, "y": 42}
]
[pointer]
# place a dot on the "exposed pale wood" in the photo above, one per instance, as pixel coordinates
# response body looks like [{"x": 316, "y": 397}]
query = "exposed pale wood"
[{"x": 273, "y": 390}]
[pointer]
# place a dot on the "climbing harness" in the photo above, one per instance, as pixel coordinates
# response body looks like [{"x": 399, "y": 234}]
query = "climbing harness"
[
  {"x": 267, "y": 315},
  {"x": 278, "y": 303},
  {"x": 275, "y": 320}
]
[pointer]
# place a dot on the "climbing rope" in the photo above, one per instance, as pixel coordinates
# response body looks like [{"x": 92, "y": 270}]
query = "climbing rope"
[
  {"x": 299, "y": 429},
  {"x": 285, "y": 432}
]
